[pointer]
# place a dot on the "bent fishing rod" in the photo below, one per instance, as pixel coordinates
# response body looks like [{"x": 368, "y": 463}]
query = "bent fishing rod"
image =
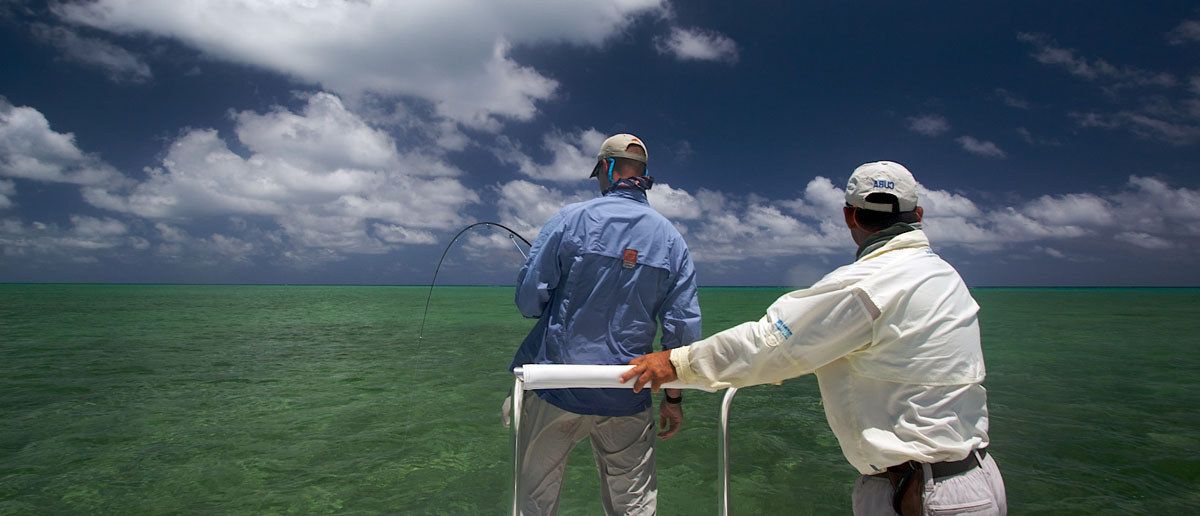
[{"x": 511, "y": 234}]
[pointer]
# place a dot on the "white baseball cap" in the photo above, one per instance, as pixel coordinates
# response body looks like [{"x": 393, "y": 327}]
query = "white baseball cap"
[
  {"x": 615, "y": 145},
  {"x": 882, "y": 177}
]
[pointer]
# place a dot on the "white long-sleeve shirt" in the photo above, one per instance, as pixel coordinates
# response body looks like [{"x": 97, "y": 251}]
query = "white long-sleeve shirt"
[{"x": 894, "y": 341}]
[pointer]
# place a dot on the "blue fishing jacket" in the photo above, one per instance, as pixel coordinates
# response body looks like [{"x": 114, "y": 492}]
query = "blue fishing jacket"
[{"x": 601, "y": 277}]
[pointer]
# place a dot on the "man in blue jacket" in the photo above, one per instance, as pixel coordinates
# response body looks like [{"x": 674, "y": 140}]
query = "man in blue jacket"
[{"x": 601, "y": 277}]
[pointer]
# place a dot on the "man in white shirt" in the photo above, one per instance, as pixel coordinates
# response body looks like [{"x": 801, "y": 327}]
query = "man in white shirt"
[{"x": 893, "y": 339}]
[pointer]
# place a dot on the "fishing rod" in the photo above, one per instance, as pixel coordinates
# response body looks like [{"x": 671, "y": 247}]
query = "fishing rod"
[{"x": 511, "y": 235}]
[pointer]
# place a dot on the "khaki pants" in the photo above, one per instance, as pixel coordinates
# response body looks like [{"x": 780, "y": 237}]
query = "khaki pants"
[
  {"x": 978, "y": 492},
  {"x": 623, "y": 447}
]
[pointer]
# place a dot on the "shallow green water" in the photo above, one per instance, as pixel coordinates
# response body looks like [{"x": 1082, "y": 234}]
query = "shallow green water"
[{"x": 321, "y": 400}]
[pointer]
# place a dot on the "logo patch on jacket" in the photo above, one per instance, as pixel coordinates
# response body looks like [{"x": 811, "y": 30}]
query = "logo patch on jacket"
[
  {"x": 783, "y": 329},
  {"x": 630, "y": 258}
]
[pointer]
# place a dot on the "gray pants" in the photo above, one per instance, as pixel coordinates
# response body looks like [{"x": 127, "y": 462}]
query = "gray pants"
[
  {"x": 978, "y": 492},
  {"x": 623, "y": 447}
]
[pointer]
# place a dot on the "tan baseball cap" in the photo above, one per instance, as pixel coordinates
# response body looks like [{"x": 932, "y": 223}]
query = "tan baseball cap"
[
  {"x": 886, "y": 177},
  {"x": 615, "y": 145}
]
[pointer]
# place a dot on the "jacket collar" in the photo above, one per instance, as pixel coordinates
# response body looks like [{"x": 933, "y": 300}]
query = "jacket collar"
[
  {"x": 632, "y": 194},
  {"x": 899, "y": 236}
]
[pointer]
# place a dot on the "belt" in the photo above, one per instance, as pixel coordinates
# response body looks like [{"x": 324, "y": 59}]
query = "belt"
[
  {"x": 944, "y": 469},
  {"x": 949, "y": 469},
  {"x": 906, "y": 478}
]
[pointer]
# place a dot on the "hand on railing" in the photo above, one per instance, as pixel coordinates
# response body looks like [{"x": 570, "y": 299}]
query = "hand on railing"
[{"x": 654, "y": 369}]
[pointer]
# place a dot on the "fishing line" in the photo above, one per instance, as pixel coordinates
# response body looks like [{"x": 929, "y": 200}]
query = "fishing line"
[{"x": 511, "y": 234}]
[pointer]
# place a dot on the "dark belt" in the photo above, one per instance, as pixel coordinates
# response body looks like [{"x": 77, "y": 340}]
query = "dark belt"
[
  {"x": 942, "y": 469},
  {"x": 906, "y": 479},
  {"x": 949, "y": 469}
]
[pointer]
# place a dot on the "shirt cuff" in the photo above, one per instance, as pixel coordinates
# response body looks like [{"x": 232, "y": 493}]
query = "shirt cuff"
[{"x": 683, "y": 368}]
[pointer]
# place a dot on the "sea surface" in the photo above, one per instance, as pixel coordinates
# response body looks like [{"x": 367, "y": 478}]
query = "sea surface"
[{"x": 261, "y": 400}]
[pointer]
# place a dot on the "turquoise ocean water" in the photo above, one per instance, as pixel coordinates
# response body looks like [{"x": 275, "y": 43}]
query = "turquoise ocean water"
[{"x": 132, "y": 399}]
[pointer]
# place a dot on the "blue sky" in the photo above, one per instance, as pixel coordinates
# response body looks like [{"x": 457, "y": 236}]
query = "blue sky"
[{"x": 311, "y": 141}]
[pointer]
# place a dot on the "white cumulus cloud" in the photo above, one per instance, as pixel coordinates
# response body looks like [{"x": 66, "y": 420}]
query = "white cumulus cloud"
[
  {"x": 980, "y": 147},
  {"x": 8, "y": 189},
  {"x": 78, "y": 243},
  {"x": 322, "y": 135},
  {"x": 673, "y": 203},
  {"x": 30, "y": 149},
  {"x": 525, "y": 206},
  {"x": 118, "y": 64},
  {"x": 946, "y": 204},
  {"x": 928, "y": 125},
  {"x": 1158, "y": 111},
  {"x": 1047, "y": 51},
  {"x": 1141, "y": 213},
  {"x": 99, "y": 228},
  {"x": 1143, "y": 240},
  {"x": 734, "y": 228},
  {"x": 1011, "y": 99},
  {"x": 394, "y": 234},
  {"x": 1076, "y": 209},
  {"x": 1186, "y": 32},
  {"x": 1151, "y": 205},
  {"x": 572, "y": 155},
  {"x": 177, "y": 246},
  {"x": 327, "y": 180},
  {"x": 693, "y": 44},
  {"x": 453, "y": 54}
]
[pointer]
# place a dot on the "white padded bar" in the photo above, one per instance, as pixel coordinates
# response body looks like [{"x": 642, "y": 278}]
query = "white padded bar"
[{"x": 565, "y": 376}]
